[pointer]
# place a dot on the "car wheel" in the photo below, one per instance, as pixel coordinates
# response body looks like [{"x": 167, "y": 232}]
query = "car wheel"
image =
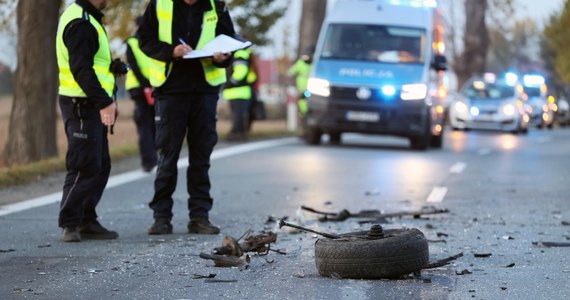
[
  {"x": 313, "y": 135},
  {"x": 335, "y": 137},
  {"x": 400, "y": 252}
]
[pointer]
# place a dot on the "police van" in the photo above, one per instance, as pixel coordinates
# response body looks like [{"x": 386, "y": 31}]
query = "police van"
[{"x": 379, "y": 69}]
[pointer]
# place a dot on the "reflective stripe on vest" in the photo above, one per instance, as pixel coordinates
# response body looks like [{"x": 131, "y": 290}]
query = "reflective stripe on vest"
[
  {"x": 237, "y": 93},
  {"x": 241, "y": 73},
  {"x": 143, "y": 62},
  {"x": 101, "y": 61},
  {"x": 160, "y": 70}
]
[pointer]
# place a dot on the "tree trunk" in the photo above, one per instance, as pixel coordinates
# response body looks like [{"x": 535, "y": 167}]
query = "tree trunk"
[
  {"x": 312, "y": 17},
  {"x": 476, "y": 42},
  {"x": 32, "y": 135}
]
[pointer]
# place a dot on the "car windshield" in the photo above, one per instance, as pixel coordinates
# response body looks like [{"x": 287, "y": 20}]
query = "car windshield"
[
  {"x": 479, "y": 89},
  {"x": 375, "y": 43},
  {"x": 532, "y": 91}
]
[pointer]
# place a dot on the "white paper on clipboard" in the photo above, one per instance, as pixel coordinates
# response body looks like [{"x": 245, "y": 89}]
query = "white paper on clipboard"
[{"x": 222, "y": 43}]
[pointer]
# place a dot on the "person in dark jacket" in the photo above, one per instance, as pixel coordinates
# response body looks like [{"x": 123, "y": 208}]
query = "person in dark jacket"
[
  {"x": 141, "y": 92},
  {"x": 186, "y": 92},
  {"x": 86, "y": 86}
]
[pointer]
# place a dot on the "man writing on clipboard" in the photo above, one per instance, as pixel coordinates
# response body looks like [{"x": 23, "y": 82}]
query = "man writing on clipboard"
[{"x": 186, "y": 92}]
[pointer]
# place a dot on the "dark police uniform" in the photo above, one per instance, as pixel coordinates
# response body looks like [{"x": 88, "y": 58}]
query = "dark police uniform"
[
  {"x": 186, "y": 102},
  {"x": 86, "y": 86},
  {"x": 137, "y": 81}
]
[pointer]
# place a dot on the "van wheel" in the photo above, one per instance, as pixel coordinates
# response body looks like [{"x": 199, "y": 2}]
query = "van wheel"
[
  {"x": 313, "y": 135},
  {"x": 335, "y": 137},
  {"x": 420, "y": 142},
  {"x": 400, "y": 252},
  {"x": 437, "y": 141}
]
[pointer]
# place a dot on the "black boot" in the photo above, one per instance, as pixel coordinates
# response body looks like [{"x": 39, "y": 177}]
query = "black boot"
[{"x": 160, "y": 226}]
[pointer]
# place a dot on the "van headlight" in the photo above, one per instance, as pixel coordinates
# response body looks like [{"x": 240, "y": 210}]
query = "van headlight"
[
  {"x": 509, "y": 110},
  {"x": 320, "y": 87},
  {"x": 414, "y": 92}
]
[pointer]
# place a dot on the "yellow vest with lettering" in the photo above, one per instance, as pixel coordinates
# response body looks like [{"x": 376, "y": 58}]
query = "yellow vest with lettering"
[{"x": 160, "y": 70}]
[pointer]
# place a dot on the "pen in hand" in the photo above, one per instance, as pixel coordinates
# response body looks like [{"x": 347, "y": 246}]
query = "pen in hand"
[{"x": 182, "y": 49}]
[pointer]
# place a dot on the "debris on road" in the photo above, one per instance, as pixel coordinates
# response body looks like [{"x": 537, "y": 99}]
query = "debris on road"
[
  {"x": 227, "y": 261},
  {"x": 357, "y": 255},
  {"x": 463, "y": 272},
  {"x": 510, "y": 265},
  {"x": 252, "y": 243},
  {"x": 551, "y": 244},
  {"x": 443, "y": 262},
  {"x": 231, "y": 253},
  {"x": 7, "y": 250},
  {"x": 327, "y": 235},
  {"x": 482, "y": 254},
  {"x": 198, "y": 276},
  {"x": 220, "y": 280},
  {"x": 354, "y": 255},
  {"x": 345, "y": 214}
]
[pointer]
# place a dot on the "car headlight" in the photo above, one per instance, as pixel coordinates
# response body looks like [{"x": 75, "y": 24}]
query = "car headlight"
[
  {"x": 461, "y": 107},
  {"x": 474, "y": 111},
  {"x": 509, "y": 110},
  {"x": 414, "y": 91},
  {"x": 320, "y": 87}
]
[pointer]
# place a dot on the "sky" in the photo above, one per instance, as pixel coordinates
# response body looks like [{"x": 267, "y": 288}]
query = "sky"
[{"x": 539, "y": 10}]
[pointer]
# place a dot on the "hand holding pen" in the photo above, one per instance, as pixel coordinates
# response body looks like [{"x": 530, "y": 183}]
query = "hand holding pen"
[{"x": 181, "y": 49}]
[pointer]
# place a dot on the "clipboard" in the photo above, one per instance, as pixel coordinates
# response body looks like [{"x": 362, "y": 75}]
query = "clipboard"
[{"x": 222, "y": 43}]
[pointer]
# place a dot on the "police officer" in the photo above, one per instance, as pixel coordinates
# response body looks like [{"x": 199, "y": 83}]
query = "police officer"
[
  {"x": 300, "y": 70},
  {"x": 86, "y": 84},
  {"x": 239, "y": 92},
  {"x": 141, "y": 92},
  {"x": 186, "y": 93}
]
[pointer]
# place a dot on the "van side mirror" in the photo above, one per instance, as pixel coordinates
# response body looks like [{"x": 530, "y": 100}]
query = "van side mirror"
[{"x": 439, "y": 63}]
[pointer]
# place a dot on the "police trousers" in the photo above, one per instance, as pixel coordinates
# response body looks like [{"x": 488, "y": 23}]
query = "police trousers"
[
  {"x": 87, "y": 161},
  {"x": 143, "y": 116},
  {"x": 191, "y": 116}
]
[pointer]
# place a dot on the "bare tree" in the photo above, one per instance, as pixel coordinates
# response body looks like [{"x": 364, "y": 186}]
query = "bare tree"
[
  {"x": 312, "y": 18},
  {"x": 32, "y": 135},
  {"x": 476, "y": 42}
]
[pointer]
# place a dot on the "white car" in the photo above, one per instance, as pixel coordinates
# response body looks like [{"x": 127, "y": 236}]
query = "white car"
[
  {"x": 563, "y": 112},
  {"x": 489, "y": 102}
]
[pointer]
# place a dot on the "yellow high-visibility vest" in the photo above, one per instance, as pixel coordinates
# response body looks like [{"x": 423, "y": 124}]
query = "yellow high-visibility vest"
[
  {"x": 143, "y": 62},
  {"x": 241, "y": 72},
  {"x": 101, "y": 62},
  {"x": 159, "y": 70}
]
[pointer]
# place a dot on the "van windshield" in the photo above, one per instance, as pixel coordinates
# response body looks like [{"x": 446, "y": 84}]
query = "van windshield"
[{"x": 386, "y": 44}]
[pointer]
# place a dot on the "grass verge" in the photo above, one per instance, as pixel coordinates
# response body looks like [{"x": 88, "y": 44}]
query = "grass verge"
[{"x": 24, "y": 174}]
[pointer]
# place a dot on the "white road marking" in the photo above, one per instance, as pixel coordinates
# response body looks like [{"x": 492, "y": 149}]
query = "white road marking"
[
  {"x": 484, "y": 151},
  {"x": 131, "y": 176},
  {"x": 437, "y": 194},
  {"x": 458, "y": 167}
]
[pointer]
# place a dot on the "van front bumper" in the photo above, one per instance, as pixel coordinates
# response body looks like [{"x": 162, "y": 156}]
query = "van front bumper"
[{"x": 398, "y": 118}]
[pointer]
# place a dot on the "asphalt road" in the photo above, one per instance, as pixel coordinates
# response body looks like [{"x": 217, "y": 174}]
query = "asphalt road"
[{"x": 503, "y": 192}]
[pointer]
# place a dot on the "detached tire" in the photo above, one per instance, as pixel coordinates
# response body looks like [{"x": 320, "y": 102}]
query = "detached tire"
[{"x": 400, "y": 252}]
